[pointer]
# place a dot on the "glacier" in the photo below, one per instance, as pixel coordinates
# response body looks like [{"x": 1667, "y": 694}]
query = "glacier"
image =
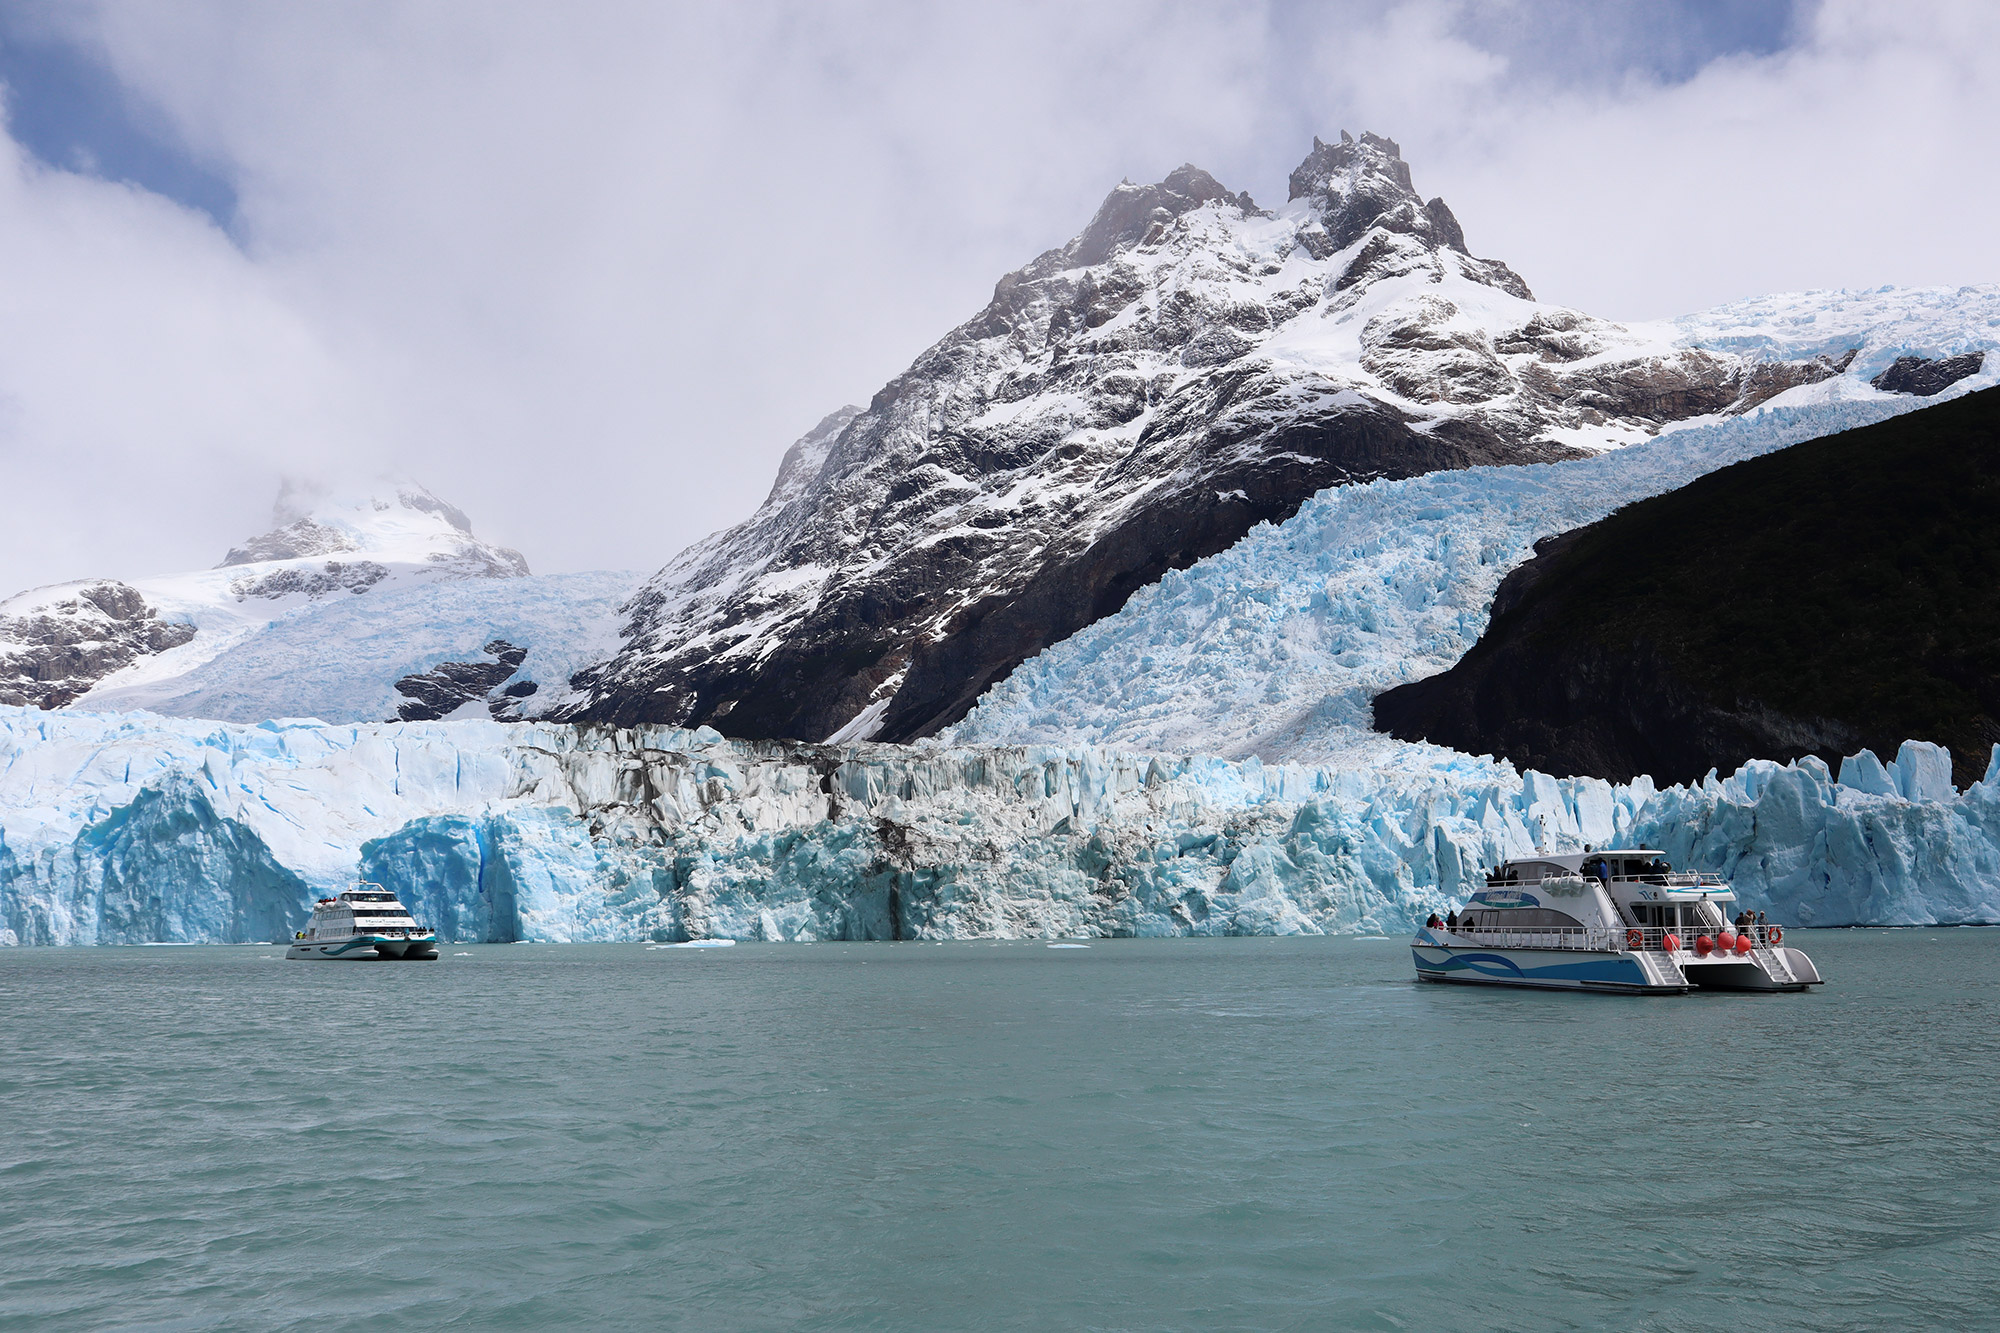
[
  {"x": 133, "y": 828},
  {"x": 1276, "y": 647}
]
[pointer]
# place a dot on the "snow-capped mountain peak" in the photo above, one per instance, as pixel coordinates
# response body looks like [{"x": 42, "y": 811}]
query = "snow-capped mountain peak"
[
  {"x": 1138, "y": 214},
  {"x": 1358, "y": 187},
  {"x": 1188, "y": 366},
  {"x": 393, "y": 522}
]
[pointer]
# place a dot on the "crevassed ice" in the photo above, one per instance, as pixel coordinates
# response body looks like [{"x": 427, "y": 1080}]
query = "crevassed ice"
[
  {"x": 1277, "y": 646},
  {"x": 128, "y": 828}
]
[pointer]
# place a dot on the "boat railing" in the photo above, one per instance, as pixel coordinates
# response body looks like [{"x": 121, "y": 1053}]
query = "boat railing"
[
  {"x": 1604, "y": 939},
  {"x": 1599, "y": 938},
  {"x": 1674, "y": 879}
]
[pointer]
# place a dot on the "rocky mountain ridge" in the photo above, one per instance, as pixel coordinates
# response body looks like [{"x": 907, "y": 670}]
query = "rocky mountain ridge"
[{"x": 1187, "y": 367}]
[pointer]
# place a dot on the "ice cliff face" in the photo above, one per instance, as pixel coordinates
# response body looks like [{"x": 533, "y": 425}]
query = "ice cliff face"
[
  {"x": 1187, "y": 367},
  {"x": 343, "y": 611},
  {"x": 133, "y": 828}
]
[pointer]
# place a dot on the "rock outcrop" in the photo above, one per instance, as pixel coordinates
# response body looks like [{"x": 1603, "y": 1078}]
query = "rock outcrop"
[
  {"x": 335, "y": 576},
  {"x": 55, "y": 643},
  {"x": 449, "y": 686},
  {"x": 1927, "y": 376}
]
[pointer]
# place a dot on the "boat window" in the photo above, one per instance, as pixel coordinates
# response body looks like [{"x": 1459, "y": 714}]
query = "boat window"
[{"x": 1524, "y": 918}]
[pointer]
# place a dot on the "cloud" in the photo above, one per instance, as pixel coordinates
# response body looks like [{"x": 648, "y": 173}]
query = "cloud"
[{"x": 588, "y": 271}]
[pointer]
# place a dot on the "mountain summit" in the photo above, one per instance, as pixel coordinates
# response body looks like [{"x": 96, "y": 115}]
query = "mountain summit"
[
  {"x": 1187, "y": 367},
  {"x": 397, "y": 521},
  {"x": 1362, "y": 188}
]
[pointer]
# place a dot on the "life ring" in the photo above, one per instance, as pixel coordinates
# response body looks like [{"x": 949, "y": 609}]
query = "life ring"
[
  {"x": 1777, "y": 935},
  {"x": 1633, "y": 939}
]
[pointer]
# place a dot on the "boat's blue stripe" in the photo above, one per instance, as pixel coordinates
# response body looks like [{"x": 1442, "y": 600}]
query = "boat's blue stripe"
[{"x": 1612, "y": 971}]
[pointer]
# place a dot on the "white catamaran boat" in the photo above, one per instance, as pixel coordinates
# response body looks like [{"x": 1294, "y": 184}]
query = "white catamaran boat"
[
  {"x": 1619, "y": 921},
  {"x": 364, "y": 922}
]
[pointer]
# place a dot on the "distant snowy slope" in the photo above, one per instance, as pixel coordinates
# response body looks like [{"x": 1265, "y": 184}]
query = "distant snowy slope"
[
  {"x": 355, "y": 607},
  {"x": 1882, "y": 323},
  {"x": 339, "y": 660},
  {"x": 1275, "y": 647}
]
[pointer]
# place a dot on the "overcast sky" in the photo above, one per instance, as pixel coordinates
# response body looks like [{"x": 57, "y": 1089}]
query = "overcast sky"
[{"x": 587, "y": 269}]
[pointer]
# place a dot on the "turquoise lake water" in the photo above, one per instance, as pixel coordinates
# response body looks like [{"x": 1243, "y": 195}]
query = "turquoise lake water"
[{"x": 1145, "y": 1134}]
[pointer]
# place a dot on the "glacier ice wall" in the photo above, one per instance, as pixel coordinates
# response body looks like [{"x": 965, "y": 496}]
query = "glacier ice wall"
[{"x": 122, "y": 828}]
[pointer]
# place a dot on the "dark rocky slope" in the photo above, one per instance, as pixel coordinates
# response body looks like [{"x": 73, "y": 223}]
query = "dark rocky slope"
[{"x": 1841, "y": 593}]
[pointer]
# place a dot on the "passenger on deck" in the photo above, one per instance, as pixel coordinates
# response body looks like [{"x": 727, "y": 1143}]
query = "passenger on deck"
[
  {"x": 1433, "y": 923},
  {"x": 1451, "y": 921}
]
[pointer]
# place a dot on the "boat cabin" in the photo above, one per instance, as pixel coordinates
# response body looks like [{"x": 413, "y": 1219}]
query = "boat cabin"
[
  {"x": 368, "y": 910},
  {"x": 1629, "y": 886}
]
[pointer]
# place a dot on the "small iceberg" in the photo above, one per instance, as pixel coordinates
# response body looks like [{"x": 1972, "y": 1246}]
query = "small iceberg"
[
  {"x": 1069, "y": 946},
  {"x": 696, "y": 944}
]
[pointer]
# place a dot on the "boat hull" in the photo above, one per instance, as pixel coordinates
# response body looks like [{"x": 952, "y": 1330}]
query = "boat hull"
[
  {"x": 1744, "y": 974},
  {"x": 1538, "y": 969},
  {"x": 364, "y": 948}
]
